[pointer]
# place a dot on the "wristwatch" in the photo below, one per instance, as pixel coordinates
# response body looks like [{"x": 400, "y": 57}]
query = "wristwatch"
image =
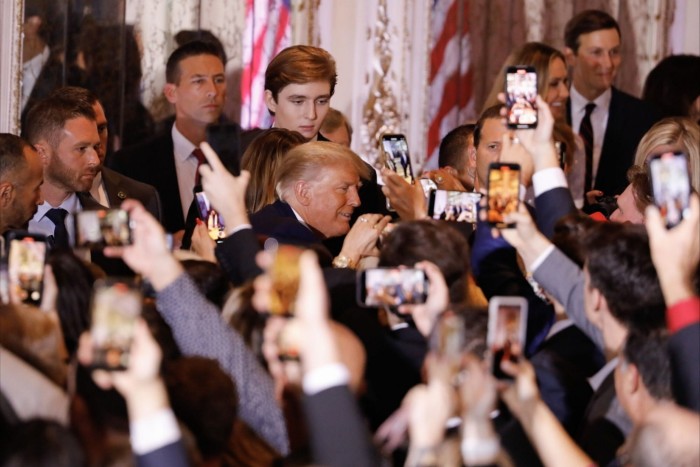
[{"x": 342, "y": 261}]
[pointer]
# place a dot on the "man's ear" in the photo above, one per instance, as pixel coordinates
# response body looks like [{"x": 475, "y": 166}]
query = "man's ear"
[
  {"x": 302, "y": 192},
  {"x": 43, "y": 148},
  {"x": 270, "y": 101},
  {"x": 570, "y": 56},
  {"x": 169, "y": 92},
  {"x": 7, "y": 191},
  {"x": 632, "y": 379}
]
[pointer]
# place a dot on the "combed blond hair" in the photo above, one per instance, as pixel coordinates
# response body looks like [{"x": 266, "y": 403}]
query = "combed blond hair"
[
  {"x": 673, "y": 131},
  {"x": 307, "y": 161}
]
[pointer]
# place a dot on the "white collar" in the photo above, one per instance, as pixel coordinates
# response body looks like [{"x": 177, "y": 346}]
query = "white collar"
[
  {"x": 182, "y": 147},
  {"x": 70, "y": 204},
  {"x": 578, "y": 102}
]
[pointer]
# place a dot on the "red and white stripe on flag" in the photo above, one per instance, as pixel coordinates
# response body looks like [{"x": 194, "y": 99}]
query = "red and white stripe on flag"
[
  {"x": 267, "y": 32},
  {"x": 450, "y": 81}
]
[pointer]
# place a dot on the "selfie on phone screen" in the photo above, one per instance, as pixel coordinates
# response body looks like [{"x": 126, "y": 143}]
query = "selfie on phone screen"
[
  {"x": 115, "y": 307},
  {"x": 392, "y": 287},
  {"x": 503, "y": 192},
  {"x": 671, "y": 186},
  {"x": 27, "y": 256},
  {"x": 521, "y": 94},
  {"x": 506, "y": 333}
]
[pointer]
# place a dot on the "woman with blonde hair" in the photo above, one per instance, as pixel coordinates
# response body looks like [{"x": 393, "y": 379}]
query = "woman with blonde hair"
[
  {"x": 677, "y": 134},
  {"x": 553, "y": 88},
  {"x": 262, "y": 158}
]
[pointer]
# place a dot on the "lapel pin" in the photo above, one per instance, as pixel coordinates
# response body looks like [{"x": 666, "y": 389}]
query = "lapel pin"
[{"x": 121, "y": 195}]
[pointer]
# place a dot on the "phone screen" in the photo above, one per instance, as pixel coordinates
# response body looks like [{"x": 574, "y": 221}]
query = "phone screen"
[
  {"x": 392, "y": 287},
  {"x": 396, "y": 156},
  {"x": 506, "y": 333},
  {"x": 224, "y": 139},
  {"x": 455, "y": 206},
  {"x": 26, "y": 260},
  {"x": 521, "y": 94},
  {"x": 213, "y": 220},
  {"x": 284, "y": 274},
  {"x": 101, "y": 228},
  {"x": 671, "y": 186},
  {"x": 116, "y": 305},
  {"x": 503, "y": 192}
]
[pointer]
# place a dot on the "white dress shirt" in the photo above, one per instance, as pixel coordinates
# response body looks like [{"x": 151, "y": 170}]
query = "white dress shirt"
[
  {"x": 185, "y": 167},
  {"x": 599, "y": 120},
  {"x": 99, "y": 192},
  {"x": 43, "y": 225}
]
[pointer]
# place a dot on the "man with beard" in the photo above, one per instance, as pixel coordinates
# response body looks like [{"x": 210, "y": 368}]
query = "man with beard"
[
  {"x": 64, "y": 133},
  {"x": 21, "y": 176}
]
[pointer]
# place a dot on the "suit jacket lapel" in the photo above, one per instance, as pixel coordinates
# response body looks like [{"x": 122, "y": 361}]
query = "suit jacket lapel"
[{"x": 88, "y": 202}]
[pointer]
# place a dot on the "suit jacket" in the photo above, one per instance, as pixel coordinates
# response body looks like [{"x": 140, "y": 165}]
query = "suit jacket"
[
  {"x": 277, "y": 220},
  {"x": 172, "y": 455},
  {"x": 120, "y": 187},
  {"x": 199, "y": 330},
  {"x": 153, "y": 162},
  {"x": 336, "y": 428},
  {"x": 684, "y": 347},
  {"x": 628, "y": 120}
]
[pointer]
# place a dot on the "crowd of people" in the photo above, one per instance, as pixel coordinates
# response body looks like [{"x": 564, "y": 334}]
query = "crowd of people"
[{"x": 217, "y": 374}]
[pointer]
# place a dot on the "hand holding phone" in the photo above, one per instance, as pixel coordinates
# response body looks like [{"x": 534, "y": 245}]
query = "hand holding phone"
[
  {"x": 521, "y": 96},
  {"x": 503, "y": 192},
  {"x": 211, "y": 218},
  {"x": 506, "y": 332},
  {"x": 670, "y": 180}
]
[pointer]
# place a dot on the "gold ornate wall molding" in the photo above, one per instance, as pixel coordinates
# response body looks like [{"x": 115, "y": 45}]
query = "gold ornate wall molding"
[{"x": 11, "y": 14}]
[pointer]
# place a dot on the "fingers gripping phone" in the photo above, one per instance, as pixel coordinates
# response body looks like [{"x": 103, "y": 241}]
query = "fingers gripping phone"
[
  {"x": 454, "y": 206},
  {"x": 116, "y": 305},
  {"x": 212, "y": 219},
  {"x": 26, "y": 261},
  {"x": 506, "y": 331},
  {"x": 670, "y": 181},
  {"x": 521, "y": 94},
  {"x": 391, "y": 287},
  {"x": 503, "y": 192}
]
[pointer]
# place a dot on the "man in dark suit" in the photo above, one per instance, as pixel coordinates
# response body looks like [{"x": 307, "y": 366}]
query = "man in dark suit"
[
  {"x": 610, "y": 122},
  {"x": 196, "y": 86},
  {"x": 110, "y": 188},
  {"x": 64, "y": 133}
]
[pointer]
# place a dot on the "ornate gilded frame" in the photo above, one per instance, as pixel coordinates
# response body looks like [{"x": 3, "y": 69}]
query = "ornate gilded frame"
[{"x": 10, "y": 64}]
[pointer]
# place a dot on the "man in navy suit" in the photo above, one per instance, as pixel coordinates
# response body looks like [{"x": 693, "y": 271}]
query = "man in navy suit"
[
  {"x": 617, "y": 120},
  {"x": 196, "y": 86}
]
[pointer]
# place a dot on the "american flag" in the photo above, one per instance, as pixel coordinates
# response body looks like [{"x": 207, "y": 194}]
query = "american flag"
[
  {"x": 450, "y": 81},
  {"x": 267, "y": 32}
]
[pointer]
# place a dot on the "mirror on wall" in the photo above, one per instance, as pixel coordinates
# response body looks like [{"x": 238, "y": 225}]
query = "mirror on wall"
[{"x": 118, "y": 50}]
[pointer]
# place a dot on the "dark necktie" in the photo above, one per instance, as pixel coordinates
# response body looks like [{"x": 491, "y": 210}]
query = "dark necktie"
[
  {"x": 200, "y": 160},
  {"x": 60, "y": 233},
  {"x": 586, "y": 132}
]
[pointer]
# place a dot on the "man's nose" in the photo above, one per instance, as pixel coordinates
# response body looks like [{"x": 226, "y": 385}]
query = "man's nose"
[
  {"x": 311, "y": 111},
  {"x": 354, "y": 197}
]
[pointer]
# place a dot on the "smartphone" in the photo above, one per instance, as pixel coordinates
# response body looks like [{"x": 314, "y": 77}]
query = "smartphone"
[
  {"x": 428, "y": 186},
  {"x": 391, "y": 287},
  {"x": 396, "y": 157},
  {"x": 455, "y": 206},
  {"x": 26, "y": 261},
  {"x": 284, "y": 274},
  {"x": 225, "y": 140},
  {"x": 521, "y": 94},
  {"x": 503, "y": 192},
  {"x": 103, "y": 227},
  {"x": 506, "y": 331},
  {"x": 670, "y": 181},
  {"x": 213, "y": 220},
  {"x": 448, "y": 341},
  {"x": 116, "y": 305}
]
